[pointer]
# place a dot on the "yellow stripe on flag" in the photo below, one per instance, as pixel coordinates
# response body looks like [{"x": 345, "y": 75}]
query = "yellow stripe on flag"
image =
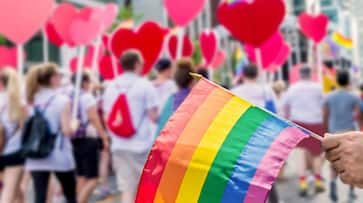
[{"x": 208, "y": 148}]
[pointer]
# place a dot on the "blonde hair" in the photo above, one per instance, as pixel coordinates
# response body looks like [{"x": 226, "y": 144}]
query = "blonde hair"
[
  {"x": 13, "y": 89},
  {"x": 39, "y": 75}
]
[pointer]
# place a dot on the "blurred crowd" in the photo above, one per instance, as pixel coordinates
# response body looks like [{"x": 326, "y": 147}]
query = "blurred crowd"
[{"x": 88, "y": 148}]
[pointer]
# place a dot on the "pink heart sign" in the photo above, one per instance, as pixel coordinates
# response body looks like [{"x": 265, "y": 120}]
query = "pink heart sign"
[
  {"x": 314, "y": 26},
  {"x": 281, "y": 58},
  {"x": 252, "y": 22},
  {"x": 75, "y": 26},
  {"x": 8, "y": 56},
  {"x": 182, "y": 12},
  {"x": 188, "y": 47},
  {"x": 83, "y": 32},
  {"x": 219, "y": 59},
  {"x": 267, "y": 55},
  {"x": 107, "y": 14},
  {"x": 22, "y": 19},
  {"x": 209, "y": 45}
]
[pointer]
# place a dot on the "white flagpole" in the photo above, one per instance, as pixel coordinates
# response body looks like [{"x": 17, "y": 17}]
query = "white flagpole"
[
  {"x": 20, "y": 59},
  {"x": 77, "y": 92},
  {"x": 45, "y": 47}
]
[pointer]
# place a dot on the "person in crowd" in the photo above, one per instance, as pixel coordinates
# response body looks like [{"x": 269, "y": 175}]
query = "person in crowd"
[
  {"x": 303, "y": 105},
  {"x": 13, "y": 113},
  {"x": 341, "y": 111},
  {"x": 86, "y": 141},
  {"x": 279, "y": 88},
  {"x": 163, "y": 82},
  {"x": 129, "y": 151},
  {"x": 260, "y": 95},
  {"x": 42, "y": 83},
  {"x": 255, "y": 92},
  {"x": 344, "y": 151},
  {"x": 183, "y": 80},
  {"x": 203, "y": 72}
]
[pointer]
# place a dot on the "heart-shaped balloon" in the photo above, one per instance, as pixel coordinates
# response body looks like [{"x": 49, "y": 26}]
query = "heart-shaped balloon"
[
  {"x": 281, "y": 58},
  {"x": 53, "y": 35},
  {"x": 106, "y": 67},
  {"x": 9, "y": 57},
  {"x": 269, "y": 51},
  {"x": 22, "y": 19},
  {"x": 252, "y": 22},
  {"x": 188, "y": 47},
  {"x": 314, "y": 27},
  {"x": 182, "y": 12},
  {"x": 148, "y": 39},
  {"x": 219, "y": 59},
  {"x": 208, "y": 45}
]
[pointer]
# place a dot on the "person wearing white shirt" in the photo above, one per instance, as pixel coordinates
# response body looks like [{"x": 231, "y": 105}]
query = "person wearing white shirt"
[
  {"x": 42, "y": 83},
  {"x": 86, "y": 141},
  {"x": 129, "y": 154},
  {"x": 303, "y": 104},
  {"x": 163, "y": 82},
  {"x": 12, "y": 116},
  {"x": 253, "y": 91}
]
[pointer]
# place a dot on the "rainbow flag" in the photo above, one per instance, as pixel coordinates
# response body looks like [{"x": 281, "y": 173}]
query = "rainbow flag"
[
  {"x": 341, "y": 40},
  {"x": 217, "y": 148}
]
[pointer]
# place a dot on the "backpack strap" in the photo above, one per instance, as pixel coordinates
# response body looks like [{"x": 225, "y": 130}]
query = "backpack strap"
[{"x": 47, "y": 104}]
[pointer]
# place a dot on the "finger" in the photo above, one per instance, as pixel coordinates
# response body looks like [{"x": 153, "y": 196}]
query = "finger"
[
  {"x": 338, "y": 166},
  {"x": 333, "y": 154},
  {"x": 331, "y": 141},
  {"x": 346, "y": 178}
]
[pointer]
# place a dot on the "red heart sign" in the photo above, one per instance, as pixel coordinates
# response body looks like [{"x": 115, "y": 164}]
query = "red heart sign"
[
  {"x": 21, "y": 19},
  {"x": 88, "y": 58},
  {"x": 106, "y": 40},
  {"x": 252, "y": 22},
  {"x": 182, "y": 12},
  {"x": 148, "y": 39},
  {"x": 53, "y": 35},
  {"x": 314, "y": 27},
  {"x": 209, "y": 45},
  {"x": 188, "y": 47},
  {"x": 9, "y": 56},
  {"x": 106, "y": 67}
]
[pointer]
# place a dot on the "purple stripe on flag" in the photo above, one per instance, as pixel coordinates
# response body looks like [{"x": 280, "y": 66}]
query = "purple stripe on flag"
[{"x": 271, "y": 164}]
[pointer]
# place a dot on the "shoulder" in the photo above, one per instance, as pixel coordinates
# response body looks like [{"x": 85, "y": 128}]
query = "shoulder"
[
  {"x": 145, "y": 85},
  {"x": 62, "y": 99}
]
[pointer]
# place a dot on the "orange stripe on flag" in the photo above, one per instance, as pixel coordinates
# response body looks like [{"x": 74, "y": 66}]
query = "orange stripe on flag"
[{"x": 187, "y": 144}]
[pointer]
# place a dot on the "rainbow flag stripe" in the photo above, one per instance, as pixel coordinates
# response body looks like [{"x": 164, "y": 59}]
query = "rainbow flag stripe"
[
  {"x": 217, "y": 148},
  {"x": 341, "y": 40}
]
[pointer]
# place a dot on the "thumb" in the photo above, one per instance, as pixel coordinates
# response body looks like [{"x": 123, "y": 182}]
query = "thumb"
[{"x": 331, "y": 141}]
